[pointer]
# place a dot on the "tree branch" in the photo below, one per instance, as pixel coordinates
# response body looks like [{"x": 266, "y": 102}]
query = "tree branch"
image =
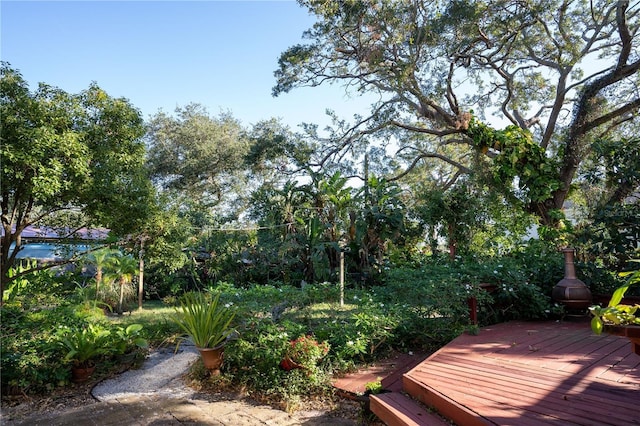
[{"x": 423, "y": 154}]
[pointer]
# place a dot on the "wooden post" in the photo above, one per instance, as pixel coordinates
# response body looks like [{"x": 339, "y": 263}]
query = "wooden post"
[
  {"x": 141, "y": 274},
  {"x": 341, "y": 278}
]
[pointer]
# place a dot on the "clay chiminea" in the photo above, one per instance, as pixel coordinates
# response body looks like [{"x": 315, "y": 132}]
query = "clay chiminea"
[{"x": 570, "y": 291}]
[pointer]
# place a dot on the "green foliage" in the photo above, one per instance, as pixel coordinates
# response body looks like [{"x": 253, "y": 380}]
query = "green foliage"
[
  {"x": 455, "y": 215},
  {"x": 520, "y": 288},
  {"x": 617, "y": 313},
  {"x": 306, "y": 351},
  {"x": 612, "y": 171},
  {"x": 253, "y": 362},
  {"x": 430, "y": 303},
  {"x": 600, "y": 279},
  {"x": 518, "y": 157},
  {"x": 516, "y": 57},
  {"x": 558, "y": 231},
  {"x": 84, "y": 346},
  {"x": 37, "y": 345},
  {"x": 523, "y": 282},
  {"x": 362, "y": 330},
  {"x": 196, "y": 156},
  {"x": 68, "y": 156},
  {"x": 207, "y": 322},
  {"x": 51, "y": 323},
  {"x": 612, "y": 234},
  {"x": 28, "y": 359},
  {"x": 19, "y": 283},
  {"x": 127, "y": 339},
  {"x": 374, "y": 387},
  {"x": 37, "y": 288},
  {"x": 122, "y": 268}
]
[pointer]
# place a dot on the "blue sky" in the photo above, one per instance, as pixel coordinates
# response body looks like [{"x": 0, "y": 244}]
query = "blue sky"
[{"x": 164, "y": 54}]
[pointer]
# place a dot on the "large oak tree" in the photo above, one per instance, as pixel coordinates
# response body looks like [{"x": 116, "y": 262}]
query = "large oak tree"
[
  {"x": 198, "y": 158},
  {"x": 561, "y": 74}
]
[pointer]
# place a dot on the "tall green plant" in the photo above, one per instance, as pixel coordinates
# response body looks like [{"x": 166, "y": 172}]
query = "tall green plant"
[
  {"x": 207, "y": 322},
  {"x": 65, "y": 154},
  {"x": 100, "y": 258},
  {"x": 123, "y": 269}
]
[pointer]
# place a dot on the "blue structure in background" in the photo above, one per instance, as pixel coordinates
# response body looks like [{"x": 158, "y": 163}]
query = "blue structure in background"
[
  {"x": 51, "y": 251},
  {"x": 46, "y": 244}
]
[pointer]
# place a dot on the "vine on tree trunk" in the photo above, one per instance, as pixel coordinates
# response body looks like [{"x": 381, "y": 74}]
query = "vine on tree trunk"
[{"x": 517, "y": 155}]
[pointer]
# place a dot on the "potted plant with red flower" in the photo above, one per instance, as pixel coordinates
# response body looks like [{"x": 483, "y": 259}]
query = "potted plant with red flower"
[{"x": 304, "y": 352}]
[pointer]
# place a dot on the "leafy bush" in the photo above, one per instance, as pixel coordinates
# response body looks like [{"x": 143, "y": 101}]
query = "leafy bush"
[
  {"x": 109, "y": 295},
  {"x": 45, "y": 310},
  {"x": 306, "y": 351},
  {"x": 30, "y": 356},
  {"x": 418, "y": 307},
  {"x": 616, "y": 312},
  {"x": 253, "y": 362},
  {"x": 601, "y": 281},
  {"x": 40, "y": 288}
]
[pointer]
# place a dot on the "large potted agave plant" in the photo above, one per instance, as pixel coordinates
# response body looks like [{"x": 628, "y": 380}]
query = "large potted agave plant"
[
  {"x": 618, "y": 318},
  {"x": 208, "y": 324}
]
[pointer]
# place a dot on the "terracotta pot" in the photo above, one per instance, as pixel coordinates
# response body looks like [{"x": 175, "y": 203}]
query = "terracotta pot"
[
  {"x": 81, "y": 374},
  {"x": 212, "y": 358},
  {"x": 288, "y": 364}
]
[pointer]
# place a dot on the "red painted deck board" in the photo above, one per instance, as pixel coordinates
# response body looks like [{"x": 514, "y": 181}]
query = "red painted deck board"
[
  {"x": 522, "y": 373},
  {"x": 388, "y": 371},
  {"x": 395, "y": 409}
]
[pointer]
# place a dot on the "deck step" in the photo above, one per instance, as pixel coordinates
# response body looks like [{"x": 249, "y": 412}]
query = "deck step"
[
  {"x": 396, "y": 409},
  {"x": 446, "y": 406}
]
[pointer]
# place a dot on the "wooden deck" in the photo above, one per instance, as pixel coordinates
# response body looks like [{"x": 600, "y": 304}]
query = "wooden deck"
[
  {"x": 389, "y": 371},
  {"x": 393, "y": 406},
  {"x": 530, "y": 373}
]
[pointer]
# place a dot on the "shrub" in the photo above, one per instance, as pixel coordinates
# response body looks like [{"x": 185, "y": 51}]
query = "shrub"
[
  {"x": 46, "y": 308},
  {"x": 306, "y": 351},
  {"x": 253, "y": 363},
  {"x": 30, "y": 357}
]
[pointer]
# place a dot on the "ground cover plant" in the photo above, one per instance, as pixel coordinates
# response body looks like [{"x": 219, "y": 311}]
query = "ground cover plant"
[
  {"x": 268, "y": 318},
  {"x": 418, "y": 306},
  {"x": 48, "y": 324}
]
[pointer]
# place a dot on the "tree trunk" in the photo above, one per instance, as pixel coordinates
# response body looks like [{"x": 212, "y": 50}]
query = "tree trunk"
[
  {"x": 98, "y": 280},
  {"x": 121, "y": 301},
  {"x": 452, "y": 242}
]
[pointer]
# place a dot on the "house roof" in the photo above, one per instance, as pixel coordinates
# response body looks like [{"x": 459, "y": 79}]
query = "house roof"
[{"x": 55, "y": 234}]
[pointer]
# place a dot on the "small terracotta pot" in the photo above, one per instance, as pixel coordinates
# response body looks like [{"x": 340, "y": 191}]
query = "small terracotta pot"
[
  {"x": 81, "y": 374},
  {"x": 288, "y": 364},
  {"x": 212, "y": 358}
]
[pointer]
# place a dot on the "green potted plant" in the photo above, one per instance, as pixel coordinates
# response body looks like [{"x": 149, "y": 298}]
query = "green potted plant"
[
  {"x": 127, "y": 343},
  {"x": 304, "y": 352},
  {"x": 208, "y": 324},
  {"x": 83, "y": 347},
  {"x": 618, "y": 318}
]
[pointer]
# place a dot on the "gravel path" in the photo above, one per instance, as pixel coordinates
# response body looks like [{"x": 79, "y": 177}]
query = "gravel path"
[{"x": 161, "y": 374}]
